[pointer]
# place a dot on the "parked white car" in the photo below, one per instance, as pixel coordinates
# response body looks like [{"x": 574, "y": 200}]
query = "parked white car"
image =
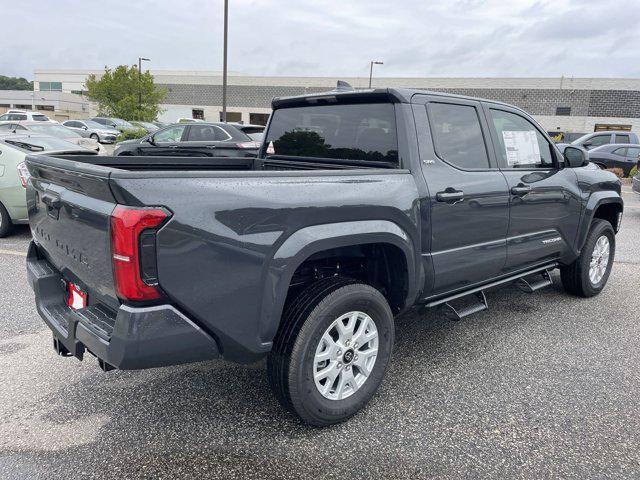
[
  {"x": 55, "y": 130},
  {"x": 22, "y": 115},
  {"x": 91, "y": 129}
]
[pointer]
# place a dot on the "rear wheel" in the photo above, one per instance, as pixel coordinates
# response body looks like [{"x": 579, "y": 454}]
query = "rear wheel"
[
  {"x": 6, "y": 227},
  {"x": 588, "y": 275},
  {"x": 332, "y": 351}
]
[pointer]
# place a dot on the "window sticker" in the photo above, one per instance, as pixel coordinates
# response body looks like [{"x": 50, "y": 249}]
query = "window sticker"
[{"x": 521, "y": 148}]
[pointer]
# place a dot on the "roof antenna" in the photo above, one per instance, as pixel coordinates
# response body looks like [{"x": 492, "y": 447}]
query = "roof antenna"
[{"x": 343, "y": 86}]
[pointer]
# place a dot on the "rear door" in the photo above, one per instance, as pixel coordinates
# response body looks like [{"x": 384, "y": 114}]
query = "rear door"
[
  {"x": 544, "y": 197},
  {"x": 468, "y": 193}
]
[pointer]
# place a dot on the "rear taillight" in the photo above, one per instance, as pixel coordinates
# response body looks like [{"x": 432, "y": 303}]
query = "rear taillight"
[
  {"x": 23, "y": 174},
  {"x": 133, "y": 251},
  {"x": 254, "y": 145}
]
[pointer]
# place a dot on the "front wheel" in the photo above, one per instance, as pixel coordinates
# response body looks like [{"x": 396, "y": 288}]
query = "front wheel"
[
  {"x": 588, "y": 274},
  {"x": 95, "y": 137},
  {"x": 332, "y": 350}
]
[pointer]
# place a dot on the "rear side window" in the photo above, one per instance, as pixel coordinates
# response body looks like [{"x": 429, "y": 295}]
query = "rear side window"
[
  {"x": 458, "y": 136},
  {"x": 349, "y": 132},
  {"x": 622, "y": 138},
  {"x": 207, "y": 133},
  {"x": 621, "y": 151},
  {"x": 520, "y": 143}
]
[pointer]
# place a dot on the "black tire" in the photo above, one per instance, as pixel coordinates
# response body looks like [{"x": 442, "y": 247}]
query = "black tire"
[
  {"x": 575, "y": 277},
  {"x": 95, "y": 137},
  {"x": 306, "y": 318},
  {"x": 6, "y": 226}
]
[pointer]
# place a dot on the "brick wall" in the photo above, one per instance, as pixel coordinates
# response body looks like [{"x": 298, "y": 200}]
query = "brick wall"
[{"x": 598, "y": 103}]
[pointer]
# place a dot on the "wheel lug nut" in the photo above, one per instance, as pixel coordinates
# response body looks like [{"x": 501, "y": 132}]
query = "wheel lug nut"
[
  {"x": 355, "y": 345},
  {"x": 356, "y": 357},
  {"x": 348, "y": 342},
  {"x": 339, "y": 365},
  {"x": 339, "y": 352}
]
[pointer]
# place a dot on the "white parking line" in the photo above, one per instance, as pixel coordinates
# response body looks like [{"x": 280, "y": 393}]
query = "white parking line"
[{"x": 13, "y": 252}]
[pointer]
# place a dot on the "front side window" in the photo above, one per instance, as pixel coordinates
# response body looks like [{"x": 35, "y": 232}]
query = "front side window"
[
  {"x": 170, "y": 135},
  {"x": 598, "y": 140},
  {"x": 365, "y": 132},
  {"x": 622, "y": 151},
  {"x": 519, "y": 143},
  {"x": 457, "y": 135},
  {"x": 622, "y": 138}
]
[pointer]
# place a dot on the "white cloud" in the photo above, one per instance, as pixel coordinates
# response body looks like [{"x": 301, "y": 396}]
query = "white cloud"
[{"x": 329, "y": 37}]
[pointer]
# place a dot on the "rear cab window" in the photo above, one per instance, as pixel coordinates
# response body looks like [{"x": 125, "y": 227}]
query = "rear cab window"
[{"x": 359, "y": 133}]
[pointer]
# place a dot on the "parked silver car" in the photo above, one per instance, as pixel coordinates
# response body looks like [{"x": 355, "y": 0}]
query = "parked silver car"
[
  {"x": 55, "y": 130},
  {"x": 91, "y": 129}
]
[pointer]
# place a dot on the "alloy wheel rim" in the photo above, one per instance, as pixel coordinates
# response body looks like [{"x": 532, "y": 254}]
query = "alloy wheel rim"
[
  {"x": 599, "y": 260},
  {"x": 345, "y": 355}
]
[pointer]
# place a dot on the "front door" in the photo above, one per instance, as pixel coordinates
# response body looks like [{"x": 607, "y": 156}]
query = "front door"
[
  {"x": 165, "y": 142},
  {"x": 469, "y": 201},
  {"x": 544, "y": 197}
]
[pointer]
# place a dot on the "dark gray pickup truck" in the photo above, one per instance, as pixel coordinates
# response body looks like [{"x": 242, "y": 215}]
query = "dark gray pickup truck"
[{"x": 359, "y": 206}]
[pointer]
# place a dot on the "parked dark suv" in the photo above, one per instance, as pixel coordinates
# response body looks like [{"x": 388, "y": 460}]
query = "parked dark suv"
[{"x": 192, "y": 140}]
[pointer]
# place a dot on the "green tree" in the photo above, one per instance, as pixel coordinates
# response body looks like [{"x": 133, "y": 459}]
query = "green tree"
[
  {"x": 15, "y": 83},
  {"x": 123, "y": 93}
]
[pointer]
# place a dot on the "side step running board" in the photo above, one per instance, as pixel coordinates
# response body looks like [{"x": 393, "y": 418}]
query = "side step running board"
[
  {"x": 456, "y": 314},
  {"x": 530, "y": 286}
]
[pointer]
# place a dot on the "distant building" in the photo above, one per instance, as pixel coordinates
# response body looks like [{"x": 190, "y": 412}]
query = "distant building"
[{"x": 559, "y": 104}]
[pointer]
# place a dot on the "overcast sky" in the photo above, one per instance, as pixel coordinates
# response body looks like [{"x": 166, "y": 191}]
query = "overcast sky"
[{"x": 328, "y": 37}]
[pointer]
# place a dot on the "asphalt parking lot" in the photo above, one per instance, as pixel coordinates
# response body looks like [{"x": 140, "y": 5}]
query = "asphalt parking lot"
[{"x": 541, "y": 385}]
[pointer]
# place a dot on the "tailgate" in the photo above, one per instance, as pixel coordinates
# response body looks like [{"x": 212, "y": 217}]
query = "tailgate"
[{"x": 69, "y": 205}]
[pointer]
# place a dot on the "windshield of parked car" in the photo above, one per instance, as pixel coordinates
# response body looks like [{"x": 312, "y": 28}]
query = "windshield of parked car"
[
  {"x": 122, "y": 123},
  {"x": 41, "y": 144},
  {"x": 365, "y": 132},
  {"x": 92, "y": 124},
  {"x": 55, "y": 130}
]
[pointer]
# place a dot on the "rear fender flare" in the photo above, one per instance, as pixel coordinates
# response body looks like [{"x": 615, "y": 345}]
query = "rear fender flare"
[{"x": 308, "y": 241}]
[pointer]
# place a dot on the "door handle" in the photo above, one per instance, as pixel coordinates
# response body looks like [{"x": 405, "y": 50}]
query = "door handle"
[
  {"x": 450, "y": 195},
  {"x": 521, "y": 189}
]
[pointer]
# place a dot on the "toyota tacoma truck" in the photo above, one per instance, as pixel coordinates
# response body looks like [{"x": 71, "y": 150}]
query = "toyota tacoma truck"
[{"x": 359, "y": 206}]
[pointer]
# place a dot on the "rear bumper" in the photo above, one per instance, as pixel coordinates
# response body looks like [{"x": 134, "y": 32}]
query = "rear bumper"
[{"x": 131, "y": 338}]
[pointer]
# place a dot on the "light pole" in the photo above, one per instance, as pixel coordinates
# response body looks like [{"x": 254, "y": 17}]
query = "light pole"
[
  {"x": 224, "y": 62},
  {"x": 140, "y": 60},
  {"x": 373, "y": 62}
]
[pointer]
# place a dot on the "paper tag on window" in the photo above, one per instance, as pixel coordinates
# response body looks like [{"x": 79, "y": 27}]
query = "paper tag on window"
[
  {"x": 521, "y": 148},
  {"x": 271, "y": 149}
]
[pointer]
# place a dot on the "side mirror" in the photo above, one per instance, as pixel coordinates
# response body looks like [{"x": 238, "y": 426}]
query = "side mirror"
[
  {"x": 150, "y": 140},
  {"x": 84, "y": 127},
  {"x": 576, "y": 157},
  {"x": 587, "y": 144}
]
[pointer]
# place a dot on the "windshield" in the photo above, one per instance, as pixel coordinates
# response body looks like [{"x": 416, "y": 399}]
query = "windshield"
[
  {"x": 55, "y": 130},
  {"x": 41, "y": 144},
  {"x": 122, "y": 123},
  {"x": 92, "y": 124},
  {"x": 358, "y": 132}
]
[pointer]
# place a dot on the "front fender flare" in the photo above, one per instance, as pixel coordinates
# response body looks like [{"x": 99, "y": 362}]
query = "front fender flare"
[
  {"x": 310, "y": 240},
  {"x": 596, "y": 200}
]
